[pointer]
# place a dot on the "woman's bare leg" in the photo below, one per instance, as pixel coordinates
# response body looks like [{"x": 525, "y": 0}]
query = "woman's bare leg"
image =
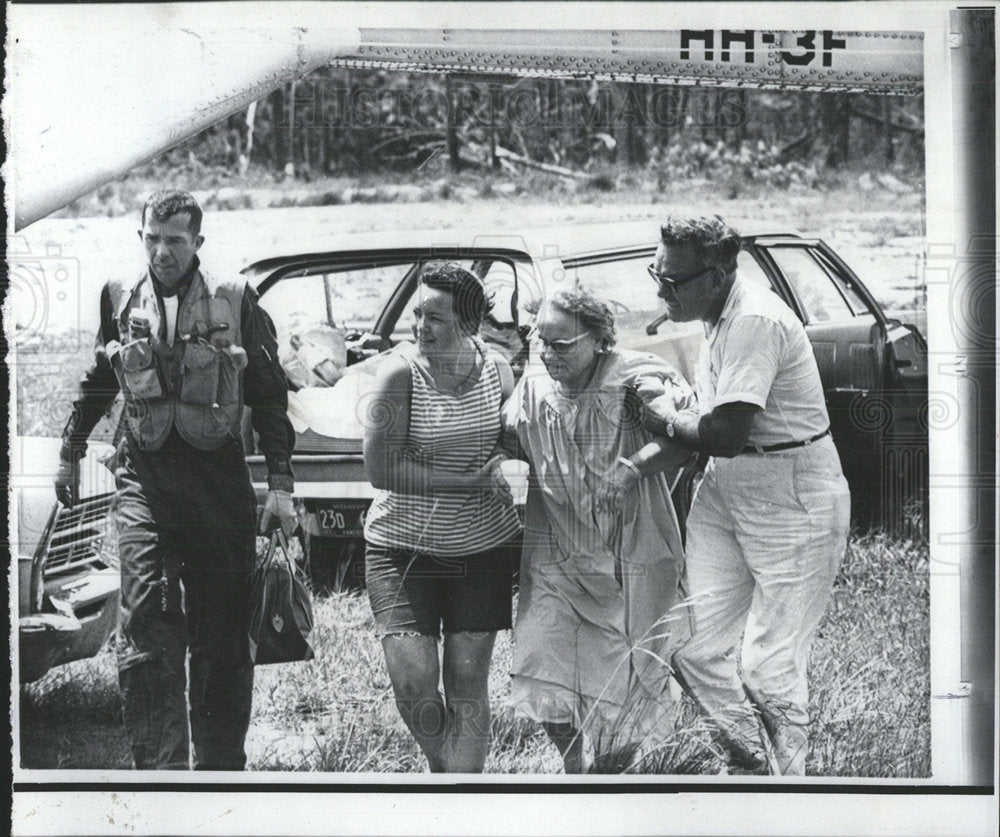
[
  {"x": 415, "y": 671},
  {"x": 466, "y": 673}
]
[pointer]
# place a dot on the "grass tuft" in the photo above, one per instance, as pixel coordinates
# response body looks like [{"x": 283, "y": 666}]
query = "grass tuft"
[
  {"x": 869, "y": 682},
  {"x": 870, "y": 663}
]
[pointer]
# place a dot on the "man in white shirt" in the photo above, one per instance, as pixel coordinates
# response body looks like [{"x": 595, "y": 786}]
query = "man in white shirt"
[{"x": 768, "y": 525}]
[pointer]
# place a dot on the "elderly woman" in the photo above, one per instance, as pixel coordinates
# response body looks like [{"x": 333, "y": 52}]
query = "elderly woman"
[
  {"x": 602, "y": 555},
  {"x": 439, "y": 531}
]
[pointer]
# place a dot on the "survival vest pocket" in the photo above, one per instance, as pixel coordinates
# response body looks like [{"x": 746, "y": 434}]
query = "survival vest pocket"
[
  {"x": 200, "y": 374},
  {"x": 139, "y": 371}
]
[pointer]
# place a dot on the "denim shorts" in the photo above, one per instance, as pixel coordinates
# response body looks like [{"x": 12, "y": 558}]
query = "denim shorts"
[{"x": 420, "y": 594}]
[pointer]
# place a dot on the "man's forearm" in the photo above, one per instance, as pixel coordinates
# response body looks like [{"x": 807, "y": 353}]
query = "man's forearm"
[
  {"x": 708, "y": 433},
  {"x": 685, "y": 430},
  {"x": 266, "y": 394},
  {"x": 705, "y": 434},
  {"x": 276, "y": 440},
  {"x": 279, "y": 474},
  {"x": 722, "y": 432},
  {"x": 688, "y": 430},
  {"x": 98, "y": 389}
]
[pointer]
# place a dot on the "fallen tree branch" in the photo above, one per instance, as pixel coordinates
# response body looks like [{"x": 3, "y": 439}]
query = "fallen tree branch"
[
  {"x": 878, "y": 120},
  {"x": 468, "y": 158},
  {"x": 804, "y": 139},
  {"x": 504, "y": 154}
]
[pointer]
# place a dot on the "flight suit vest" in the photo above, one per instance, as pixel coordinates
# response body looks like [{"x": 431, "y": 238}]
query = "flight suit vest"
[{"x": 192, "y": 385}]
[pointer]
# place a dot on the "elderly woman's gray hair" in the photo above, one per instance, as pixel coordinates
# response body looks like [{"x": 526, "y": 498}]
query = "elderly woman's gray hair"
[
  {"x": 718, "y": 242},
  {"x": 593, "y": 313}
]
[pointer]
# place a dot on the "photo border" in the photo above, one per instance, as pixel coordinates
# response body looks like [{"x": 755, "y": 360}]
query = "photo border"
[{"x": 47, "y": 801}]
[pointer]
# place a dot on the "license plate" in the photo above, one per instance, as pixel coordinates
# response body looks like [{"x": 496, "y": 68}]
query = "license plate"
[{"x": 338, "y": 519}]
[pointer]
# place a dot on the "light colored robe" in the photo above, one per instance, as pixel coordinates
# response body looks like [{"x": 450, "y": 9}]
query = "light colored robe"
[{"x": 598, "y": 611}]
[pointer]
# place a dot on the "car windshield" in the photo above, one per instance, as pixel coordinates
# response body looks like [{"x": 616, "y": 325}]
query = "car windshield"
[
  {"x": 326, "y": 316},
  {"x": 346, "y": 299},
  {"x": 316, "y": 314},
  {"x": 334, "y": 324}
]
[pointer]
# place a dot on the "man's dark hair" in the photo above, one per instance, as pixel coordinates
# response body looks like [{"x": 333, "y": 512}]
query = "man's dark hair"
[
  {"x": 168, "y": 202},
  {"x": 718, "y": 243},
  {"x": 469, "y": 300}
]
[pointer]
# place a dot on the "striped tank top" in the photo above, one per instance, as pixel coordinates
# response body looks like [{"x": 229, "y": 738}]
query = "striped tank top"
[{"x": 452, "y": 433}]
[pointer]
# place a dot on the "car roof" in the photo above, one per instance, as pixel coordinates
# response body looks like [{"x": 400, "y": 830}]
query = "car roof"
[{"x": 564, "y": 241}]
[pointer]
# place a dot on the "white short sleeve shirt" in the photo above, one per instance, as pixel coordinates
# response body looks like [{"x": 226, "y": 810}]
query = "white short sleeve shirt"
[{"x": 758, "y": 352}]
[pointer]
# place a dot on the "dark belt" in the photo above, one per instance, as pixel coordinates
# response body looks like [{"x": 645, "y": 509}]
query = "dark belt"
[{"x": 785, "y": 445}]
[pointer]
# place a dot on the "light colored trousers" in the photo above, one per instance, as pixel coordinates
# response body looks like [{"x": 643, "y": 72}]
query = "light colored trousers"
[{"x": 766, "y": 535}]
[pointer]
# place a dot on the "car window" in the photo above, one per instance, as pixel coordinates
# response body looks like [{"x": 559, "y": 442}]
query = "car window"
[
  {"x": 313, "y": 315},
  {"x": 749, "y": 266},
  {"x": 844, "y": 283},
  {"x": 627, "y": 286},
  {"x": 348, "y": 299},
  {"x": 499, "y": 280},
  {"x": 815, "y": 288}
]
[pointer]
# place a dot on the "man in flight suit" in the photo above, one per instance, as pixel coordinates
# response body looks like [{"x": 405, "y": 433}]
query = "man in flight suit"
[
  {"x": 768, "y": 525},
  {"x": 187, "y": 351}
]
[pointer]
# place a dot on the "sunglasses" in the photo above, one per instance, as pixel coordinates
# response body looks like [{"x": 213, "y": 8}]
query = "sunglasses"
[
  {"x": 676, "y": 281},
  {"x": 560, "y": 347}
]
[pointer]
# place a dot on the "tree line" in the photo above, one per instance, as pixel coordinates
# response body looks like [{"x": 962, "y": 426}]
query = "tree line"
[{"x": 348, "y": 121}]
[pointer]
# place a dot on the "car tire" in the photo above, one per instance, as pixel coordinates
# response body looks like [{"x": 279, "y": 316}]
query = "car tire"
[{"x": 336, "y": 565}]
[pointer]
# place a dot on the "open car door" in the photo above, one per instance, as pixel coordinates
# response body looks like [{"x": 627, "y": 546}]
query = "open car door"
[{"x": 877, "y": 397}]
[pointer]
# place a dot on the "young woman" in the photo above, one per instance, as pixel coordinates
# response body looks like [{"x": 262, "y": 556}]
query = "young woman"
[{"x": 442, "y": 531}]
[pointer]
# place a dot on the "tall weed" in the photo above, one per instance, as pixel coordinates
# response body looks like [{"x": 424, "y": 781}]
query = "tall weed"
[{"x": 869, "y": 704}]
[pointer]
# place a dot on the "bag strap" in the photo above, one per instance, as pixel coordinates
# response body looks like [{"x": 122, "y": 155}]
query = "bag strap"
[
  {"x": 278, "y": 536},
  {"x": 278, "y": 540}
]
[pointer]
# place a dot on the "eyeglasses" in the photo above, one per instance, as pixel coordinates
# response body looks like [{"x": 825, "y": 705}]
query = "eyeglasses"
[
  {"x": 675, "y": 281},
  {"x": 560, "y": 347}
]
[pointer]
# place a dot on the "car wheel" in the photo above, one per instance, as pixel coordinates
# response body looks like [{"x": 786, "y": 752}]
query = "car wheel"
[{"x": 336, "y": 565}]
